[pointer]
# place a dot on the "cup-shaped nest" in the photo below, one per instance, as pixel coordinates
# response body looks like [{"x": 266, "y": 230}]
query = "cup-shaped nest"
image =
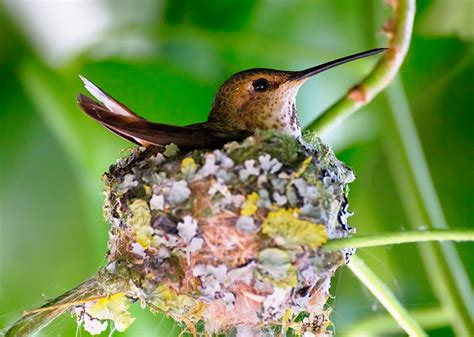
[{"x": 230, "y": 238}]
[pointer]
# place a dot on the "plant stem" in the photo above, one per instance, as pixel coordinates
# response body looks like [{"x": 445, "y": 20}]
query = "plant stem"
[
  {"x": 383, "y": 325},
  {"x": 446, "y": 272},
  {"x": 399, "y": 31},
  {"x": 399, "y": 237},
  {"x": 385, "y": 296}
]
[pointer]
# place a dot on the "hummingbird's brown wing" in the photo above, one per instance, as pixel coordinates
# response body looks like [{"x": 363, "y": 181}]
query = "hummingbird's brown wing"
[{"x": 121, "y": 120}]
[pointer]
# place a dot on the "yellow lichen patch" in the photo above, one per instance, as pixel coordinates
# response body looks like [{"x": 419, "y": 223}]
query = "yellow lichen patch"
[
  {"x": 139, "y": 220},
  {"x": 178, "y": 306},
  {"x": 147, "y": 189},
  {"x": 286, "y": 229},
  {"x": 163, "y": 297},
  {"x": 114, "y": 308},
  {"x": 250, "y": 205},
  {"x": 188, "y": 166},
  {"x": 303, "y": 166},
  {"x": 286, "y": 320},
  {"x": 186, "y": 307}
]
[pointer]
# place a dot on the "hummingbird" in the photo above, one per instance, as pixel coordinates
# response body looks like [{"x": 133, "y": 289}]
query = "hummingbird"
[{"x": 249, "y": 100}]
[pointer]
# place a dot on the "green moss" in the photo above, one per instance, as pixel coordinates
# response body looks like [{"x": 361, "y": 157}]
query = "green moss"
[{"x": 287, "y": 149}]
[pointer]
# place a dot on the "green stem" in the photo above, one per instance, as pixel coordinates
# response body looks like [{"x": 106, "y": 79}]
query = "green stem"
[
  {"x": 446, "y": 272},
  {"x": 399, "y": 237},
  {"x": 385, "y": 296},
  {"x": 436, "y": 267},
  {"x": 381, "y": 75},
  {"x": 384, "y": 325}
]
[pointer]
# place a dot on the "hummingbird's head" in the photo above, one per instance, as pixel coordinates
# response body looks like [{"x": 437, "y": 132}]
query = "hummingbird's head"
[
  {"x": 258, "y": 99},
  {"x": 266, "y": 98}
]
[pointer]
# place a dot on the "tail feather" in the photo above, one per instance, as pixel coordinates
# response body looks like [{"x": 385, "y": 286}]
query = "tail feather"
[
  {"x": 108, "y": 101},
  {"x": 97, "y": 111},
  {"x": 122, "y": 121}
]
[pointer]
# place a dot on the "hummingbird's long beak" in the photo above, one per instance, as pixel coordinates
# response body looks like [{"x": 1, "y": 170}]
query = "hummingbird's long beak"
[{"x": 303, "y": 74}]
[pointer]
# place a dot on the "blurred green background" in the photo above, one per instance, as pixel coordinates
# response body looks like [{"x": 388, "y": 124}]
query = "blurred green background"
[{"x": 165, "y": 60}]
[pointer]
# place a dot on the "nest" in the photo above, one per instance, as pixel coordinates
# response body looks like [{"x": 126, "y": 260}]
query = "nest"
[{"x": 227, "y": 239}]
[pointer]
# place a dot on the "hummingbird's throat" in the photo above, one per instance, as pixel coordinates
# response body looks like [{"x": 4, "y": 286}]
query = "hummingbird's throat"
[
  {"x": 285, "y": 120},
  {"x": 280, "y": 113}
]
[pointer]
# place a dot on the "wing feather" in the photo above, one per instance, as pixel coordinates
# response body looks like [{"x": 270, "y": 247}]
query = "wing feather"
[{"x": 122, "y": 121}]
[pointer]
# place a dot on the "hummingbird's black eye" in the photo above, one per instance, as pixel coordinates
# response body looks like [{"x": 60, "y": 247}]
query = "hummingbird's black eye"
[{"x": 261, "y": 84}]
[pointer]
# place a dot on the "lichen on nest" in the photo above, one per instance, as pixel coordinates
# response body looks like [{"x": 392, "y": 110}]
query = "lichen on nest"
[{"x": 229, "y": 238}]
